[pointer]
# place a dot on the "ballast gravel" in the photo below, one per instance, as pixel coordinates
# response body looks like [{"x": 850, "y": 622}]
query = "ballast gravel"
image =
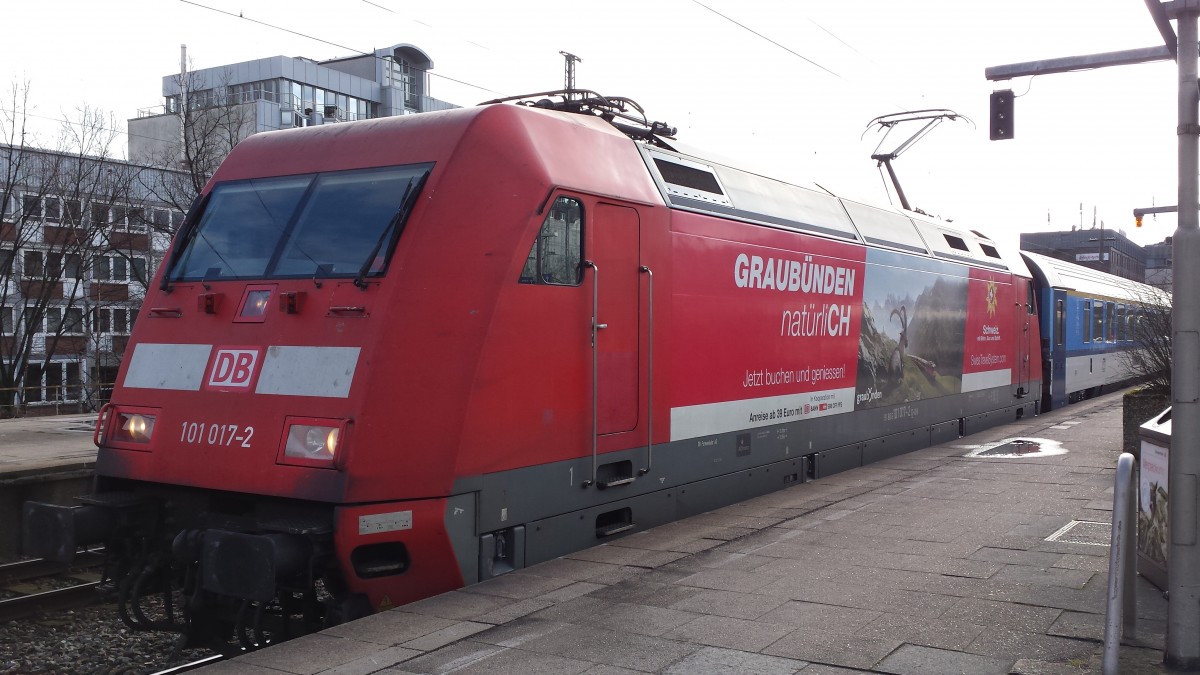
[{"x": 90, "y": 641}]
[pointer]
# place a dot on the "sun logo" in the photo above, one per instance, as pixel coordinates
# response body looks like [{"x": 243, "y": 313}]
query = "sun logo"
[{"x": 991, "y": 298}]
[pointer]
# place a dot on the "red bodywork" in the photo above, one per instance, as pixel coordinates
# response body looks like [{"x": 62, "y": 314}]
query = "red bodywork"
[{"x": 461, "y": 371}]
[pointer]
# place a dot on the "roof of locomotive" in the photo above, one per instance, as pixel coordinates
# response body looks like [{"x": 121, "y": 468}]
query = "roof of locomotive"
[
  {"x": 1063, "y": 275},
  {"x": 684, "y": 181},
  {"x": 691, "y": 182}
]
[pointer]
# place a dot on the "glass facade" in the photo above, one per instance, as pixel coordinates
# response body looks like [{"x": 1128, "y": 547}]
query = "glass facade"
[{"x": 297, "y": 101}]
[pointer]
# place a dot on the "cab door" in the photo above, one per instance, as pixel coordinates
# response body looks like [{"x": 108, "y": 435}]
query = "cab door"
[{"x": 614, "y": 253}]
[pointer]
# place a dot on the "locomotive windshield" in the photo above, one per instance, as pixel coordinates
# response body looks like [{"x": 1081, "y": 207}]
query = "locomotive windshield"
[{"x": 331, "y": 224}]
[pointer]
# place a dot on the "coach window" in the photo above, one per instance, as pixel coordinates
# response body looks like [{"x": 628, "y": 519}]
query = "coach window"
[
  {"x": 1097, "y": 321},
  {"x": 1060, "y": 322},
  {"x": 1087, "y": 321},
  {"x": 554, "y": 259},
  {"x": 1121, "y": 318},
  {"x": 1110, "y": 318}
]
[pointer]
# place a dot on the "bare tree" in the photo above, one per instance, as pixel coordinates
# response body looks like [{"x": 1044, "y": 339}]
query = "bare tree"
[
  {"x": 1150, "y": 329},
  {"x": 60, "y": 207},
  {"x": 215, "y": 117}
]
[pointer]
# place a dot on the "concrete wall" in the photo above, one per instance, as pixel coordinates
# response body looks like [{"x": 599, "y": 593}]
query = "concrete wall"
[{"x": 59, "y": 486}]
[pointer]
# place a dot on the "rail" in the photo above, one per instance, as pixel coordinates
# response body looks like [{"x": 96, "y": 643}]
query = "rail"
[
  {"x": 69, "y": 597},
  {"x": 39, "y": 567},
  {"x": 1122, "y": 596}
]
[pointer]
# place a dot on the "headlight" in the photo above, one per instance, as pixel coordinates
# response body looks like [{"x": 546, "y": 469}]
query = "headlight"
[
  {"x": 313, "y": 442},
  {"x": 131, "y": 428}
]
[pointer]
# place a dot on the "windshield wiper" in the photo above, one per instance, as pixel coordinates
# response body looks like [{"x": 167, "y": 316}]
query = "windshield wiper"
[{"x": 392, "y": 231}]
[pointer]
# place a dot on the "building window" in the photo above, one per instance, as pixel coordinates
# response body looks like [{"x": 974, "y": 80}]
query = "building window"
[
  {"x": 74, "y": 381},
  {"x": 31, "y": 319},
  {"x": 53, "y": 209},
  {"x": 137, "y": 219},
  {"x": 32, "y": 392},
  {"x": 57, "y": 381},
  {"x": 99, "y": 214},
  {"x": 73, "y": 320},
  {"x": 31, "y": 206},
  {"x": 111, "y": 320},
  {"x": 64, "y": 320},
  {"x": 116, "y": 268},
  {"x": 73, "y": 214},
  {"x": 60, "y": 265},
  {"x": 34, "y": 267},
  {"x": 6, "y": 320}
]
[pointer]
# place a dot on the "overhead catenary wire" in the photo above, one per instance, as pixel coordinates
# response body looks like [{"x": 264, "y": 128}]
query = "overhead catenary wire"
[
  {"x": 794, "y": 52},
  {"x": 764, "y": 37},
  {"x": 241, "y": 15}
]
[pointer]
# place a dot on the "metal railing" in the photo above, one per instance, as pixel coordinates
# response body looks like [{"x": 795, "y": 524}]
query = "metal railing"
[
  {"x": 1122, "y": 566},
  {"x": 44, "y": 400}
]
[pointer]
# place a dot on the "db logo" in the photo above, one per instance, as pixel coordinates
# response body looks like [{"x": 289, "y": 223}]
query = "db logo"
[{"x": 232, "y": 369}]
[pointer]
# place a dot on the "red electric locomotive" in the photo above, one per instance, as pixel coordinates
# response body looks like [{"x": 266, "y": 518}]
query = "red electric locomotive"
[{"x": 388, "y": 358}]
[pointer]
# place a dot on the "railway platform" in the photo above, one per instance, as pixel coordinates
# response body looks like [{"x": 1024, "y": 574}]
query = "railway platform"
[
  {"x": 48, "y": 459},
  {"x": 931, "y": 562}
]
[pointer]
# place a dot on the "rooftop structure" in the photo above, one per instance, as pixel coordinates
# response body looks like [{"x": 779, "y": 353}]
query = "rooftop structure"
[{"x": 281, "y": 92}]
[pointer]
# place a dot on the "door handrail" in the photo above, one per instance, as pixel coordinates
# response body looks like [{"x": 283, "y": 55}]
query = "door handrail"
[
  {"x": 649, "y": 373},
  {"x": 596, "y": 326}
]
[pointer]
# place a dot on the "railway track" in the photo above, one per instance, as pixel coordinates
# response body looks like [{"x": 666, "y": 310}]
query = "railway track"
[
  {"x": 22, "y": 579},
  {"x": 22, "y": 570},
  {"x": 57, "y": 599}
]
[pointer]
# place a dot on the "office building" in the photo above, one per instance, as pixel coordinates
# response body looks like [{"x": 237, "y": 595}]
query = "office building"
[{"x": 282, "y": 92}]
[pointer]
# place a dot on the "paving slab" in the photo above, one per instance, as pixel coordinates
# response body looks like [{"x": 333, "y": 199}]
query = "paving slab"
[
  {"x": 931, "y": 562},
  {"x": 918, "y": 660},
  {"x": 713, "y": 661}
]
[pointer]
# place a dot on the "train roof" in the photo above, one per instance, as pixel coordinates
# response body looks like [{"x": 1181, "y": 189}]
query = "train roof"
[
  {"x": 686, "y": 181},
  {"x": 692, "y": 183},
  {"x": 1063, "y": 275}
]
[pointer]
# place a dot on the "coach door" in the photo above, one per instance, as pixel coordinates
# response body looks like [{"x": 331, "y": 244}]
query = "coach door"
[
  {"x": 614, "y": 256},
  {"x": 1023, "y": 326}
]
